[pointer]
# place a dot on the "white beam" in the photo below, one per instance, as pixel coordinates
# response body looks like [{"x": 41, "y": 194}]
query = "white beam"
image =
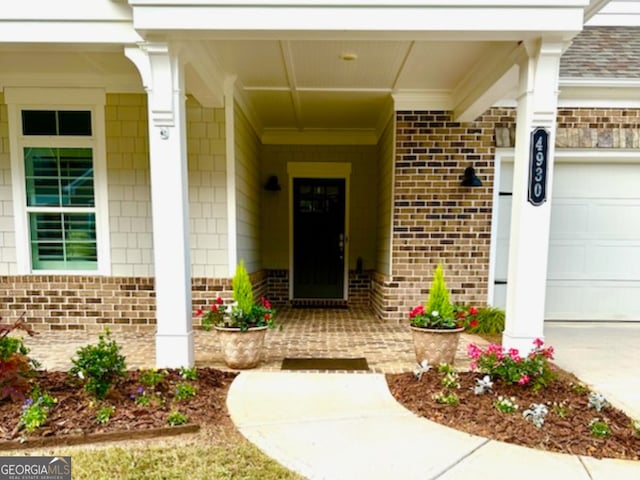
[
  {"x": 489, "y": 80},
  {"x": 207, "y": 84}
]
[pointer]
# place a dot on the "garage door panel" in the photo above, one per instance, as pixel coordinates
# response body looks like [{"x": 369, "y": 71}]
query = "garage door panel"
[
  {"x": 615, "y": 220},
  {"x": 591, "y": 300},
  {"x": 569, "y": 219},
  {"x": 596, "y": 180},
  {"x": 590, "y": 260},
  {"x": 566, "y": 260},
  {"x": 613, "y": 261}
]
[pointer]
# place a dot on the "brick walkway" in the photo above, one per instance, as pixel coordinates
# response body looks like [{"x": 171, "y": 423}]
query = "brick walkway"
[{"x": 355, "y": 332}]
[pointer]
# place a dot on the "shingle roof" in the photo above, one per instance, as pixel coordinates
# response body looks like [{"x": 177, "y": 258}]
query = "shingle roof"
[{"x": 603, "y": 52}]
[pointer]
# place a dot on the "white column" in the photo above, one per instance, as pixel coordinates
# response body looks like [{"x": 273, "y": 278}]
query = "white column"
[
  {"x": 163, "y": 78},
  {"x": 529, "y": 236}
]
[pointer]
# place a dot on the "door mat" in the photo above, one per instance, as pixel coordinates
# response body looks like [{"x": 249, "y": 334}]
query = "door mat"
[{"x": 349, "y": 364}]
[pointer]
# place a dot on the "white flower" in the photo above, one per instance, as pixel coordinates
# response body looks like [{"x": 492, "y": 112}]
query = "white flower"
[{"x": 435, "y": 313}]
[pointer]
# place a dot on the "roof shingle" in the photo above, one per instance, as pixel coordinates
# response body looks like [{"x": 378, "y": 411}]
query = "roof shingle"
[{"x": 603, "y": 52}]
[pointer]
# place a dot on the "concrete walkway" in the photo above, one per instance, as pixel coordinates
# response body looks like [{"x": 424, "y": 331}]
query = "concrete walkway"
[
  {"x": 605, "y": 356},
  {"x": 348, "y": 426}
]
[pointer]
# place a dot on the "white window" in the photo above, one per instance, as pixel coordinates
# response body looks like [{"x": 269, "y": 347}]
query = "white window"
[{"x": 59, "y": 180}]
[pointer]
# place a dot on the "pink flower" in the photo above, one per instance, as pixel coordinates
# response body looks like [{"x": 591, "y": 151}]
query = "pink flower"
[
  {"x": 538, "y": 342},
  {"x": 265, "y": 303},
  {"x": 548, "y": 353},
  {"x": 515, "y": 355},
  {"x": 473, "y": 365},
  {"x": 419, "y": 310},
  {"x": 473, "y": 351},
  {"x": 524, "y": 380}
]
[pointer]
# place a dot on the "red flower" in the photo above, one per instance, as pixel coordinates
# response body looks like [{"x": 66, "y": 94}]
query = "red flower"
[
  {"x": 473, "y": 323},
  {"x": 214, "y": 308},
  {"x": 199, "y": 312},
  {"x": 265, "y": 303},
  {"x": 419, "y": 310},
  {"x": 267, "y": 316},
  {"x": 219, "y": 301},
  {"x": 473, "y": 311}
]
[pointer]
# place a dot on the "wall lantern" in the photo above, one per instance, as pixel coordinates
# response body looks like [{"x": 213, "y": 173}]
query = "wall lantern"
[
  {"x": 272, "y": 184},
  {"x": 470, "y": 179}
]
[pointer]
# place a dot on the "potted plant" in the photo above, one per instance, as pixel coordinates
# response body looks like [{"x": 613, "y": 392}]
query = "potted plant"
[
  {"x": 241, "y": 326},
  {"x": 436, "y": 327}
]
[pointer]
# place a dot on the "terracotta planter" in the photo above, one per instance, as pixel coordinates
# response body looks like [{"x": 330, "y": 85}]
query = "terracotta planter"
[
  {"x": 435, "y": 346},
  {"x": 241, "y": 349}
]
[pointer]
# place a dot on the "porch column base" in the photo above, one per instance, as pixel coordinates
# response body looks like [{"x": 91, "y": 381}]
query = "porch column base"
[
  {"x": 524, "y": 344},
  {"x": 174, "y": 350}
]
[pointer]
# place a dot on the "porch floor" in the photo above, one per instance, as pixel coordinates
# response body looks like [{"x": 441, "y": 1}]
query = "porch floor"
[{"x": 308, "y": 333}]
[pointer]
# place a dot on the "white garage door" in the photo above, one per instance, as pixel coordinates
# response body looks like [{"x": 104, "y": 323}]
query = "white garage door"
[{"x": 594, "y": 249}]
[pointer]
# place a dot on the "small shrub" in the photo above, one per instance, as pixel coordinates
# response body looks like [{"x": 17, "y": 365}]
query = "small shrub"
[
  {"x": 147, "y": 399},
  {"x": 579, "y": 388},
  {"x": 536, "y": 414},
  {"x": 483, "y": 385},
  {"x": 506, "y": 405},
  {"x": 422, "y": 368},
  {"x": 598, "y": 401},
  {"x": 35, "y": 410},
  {"x": 99, "y": 366},
  {"x": 449, "y": 398},
  {"x": 438, "y": 300},
  {"x": 450, "y": 380},
  {"x": 184, "y": 391},
  {"x": 599, "y": 428},
  {"x": 103, "y": 415},
  {"x": 189, "y": 373},
  {"x": 16, "y": 368},
  {"x": 635, "y": 427},
  {"x": 151, "y": 378},
  {"x": 489, "y": 321},
  {"x": 242, "y": 291},
  {"x": 176, "y": 418},
  {"x": 561, "y": 409}
]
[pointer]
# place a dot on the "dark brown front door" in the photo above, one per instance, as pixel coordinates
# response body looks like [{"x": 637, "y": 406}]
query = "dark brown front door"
[{"x": 318, "y": 237}]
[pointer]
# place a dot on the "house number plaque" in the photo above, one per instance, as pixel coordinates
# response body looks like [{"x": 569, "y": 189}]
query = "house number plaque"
[{"x": 538, "y": 166}]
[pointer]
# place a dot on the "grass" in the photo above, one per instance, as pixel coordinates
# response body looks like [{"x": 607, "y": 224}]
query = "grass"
[{"x": 210, "y": 454}]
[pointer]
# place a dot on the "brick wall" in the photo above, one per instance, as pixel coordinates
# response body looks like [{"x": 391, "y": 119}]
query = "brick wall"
[
  {"x": 583, "y": 128},
  {"x": 64, "y": 302},
  {"x": 435, "y": 220}
]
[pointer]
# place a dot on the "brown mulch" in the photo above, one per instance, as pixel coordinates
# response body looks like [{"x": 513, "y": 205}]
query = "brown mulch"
[
  {"x": 75, "y": 411},
  {"x": 476, "y": 414}
]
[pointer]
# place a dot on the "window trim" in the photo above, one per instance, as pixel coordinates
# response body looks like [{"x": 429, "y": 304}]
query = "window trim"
[{"x": 91, "y": 99}]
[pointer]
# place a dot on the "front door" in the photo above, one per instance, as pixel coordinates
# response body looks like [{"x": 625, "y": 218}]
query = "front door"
[{"x": 318, "y": 238}]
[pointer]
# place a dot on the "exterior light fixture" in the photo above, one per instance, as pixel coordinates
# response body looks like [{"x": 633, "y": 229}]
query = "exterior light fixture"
[
  {"x": 272, "y": 184},
  {"x": 470, "y": 179}
]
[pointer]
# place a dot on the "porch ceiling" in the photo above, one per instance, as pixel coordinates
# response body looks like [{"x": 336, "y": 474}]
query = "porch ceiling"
[{"x": 315, "y": 85}]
